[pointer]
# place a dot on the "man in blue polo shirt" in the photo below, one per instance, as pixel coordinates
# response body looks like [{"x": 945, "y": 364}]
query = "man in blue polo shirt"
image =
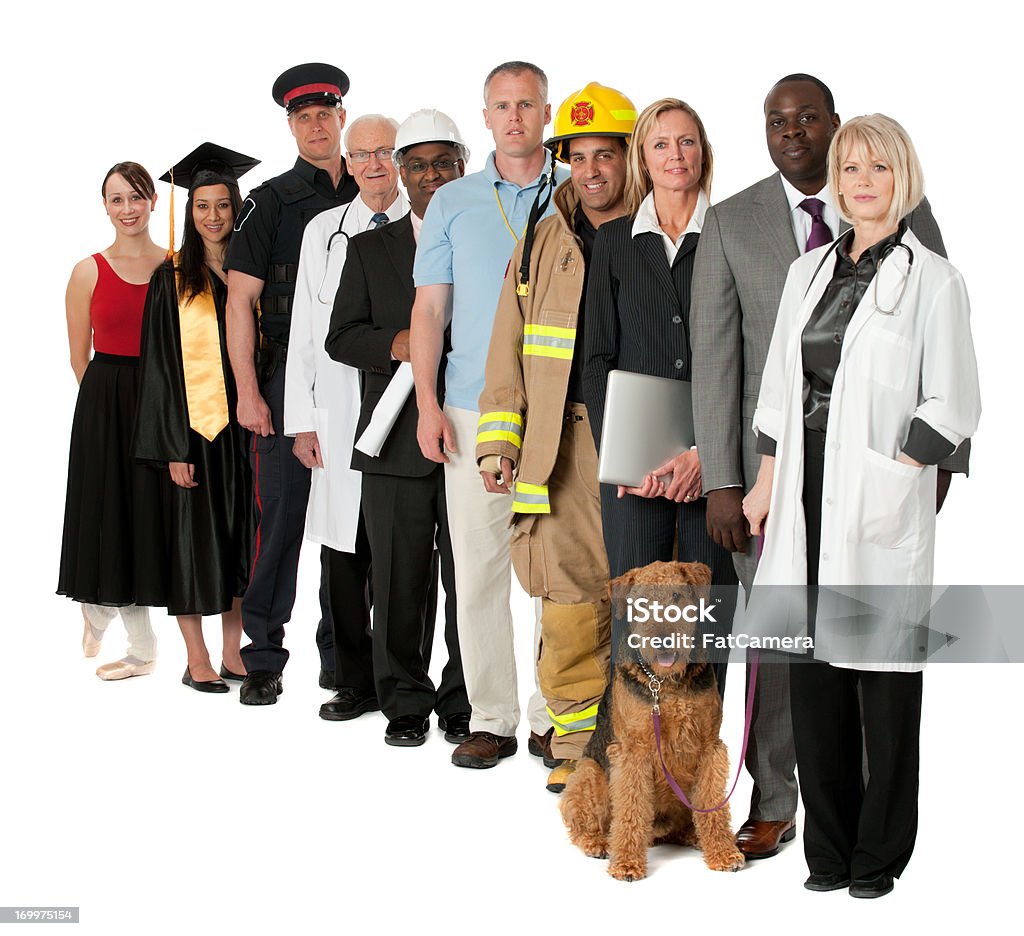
[{"x": 469, "y": 233}]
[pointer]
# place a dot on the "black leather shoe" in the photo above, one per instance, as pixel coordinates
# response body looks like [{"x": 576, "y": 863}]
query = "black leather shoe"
[
  {"x": 349, "y": 703},
  {"x": 225, "y": 673},
  {"x": 261, "y": 688},
  {"x": 407, "y": 731},
  {"x": 827, "y": 882},
  {"x": 455, "y": 727},
  {"x": 877, "y": 886},
  {"x": 326, "y": 679},
  {"x": 211, "y": 685}
]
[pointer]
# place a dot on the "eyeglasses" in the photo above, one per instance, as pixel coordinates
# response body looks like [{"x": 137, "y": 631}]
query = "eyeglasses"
[
  {"x": 419, "y": 166},
  {"x": 361, "y": 156}
]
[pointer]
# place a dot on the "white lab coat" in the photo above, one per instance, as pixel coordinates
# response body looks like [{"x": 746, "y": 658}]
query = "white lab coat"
[
  {"x": 878, "y": 515},
  {"x": 321, "y": 395}
]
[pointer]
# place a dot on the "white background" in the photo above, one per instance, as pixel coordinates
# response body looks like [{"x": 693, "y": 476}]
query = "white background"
[{"x": 158, "y": 809}]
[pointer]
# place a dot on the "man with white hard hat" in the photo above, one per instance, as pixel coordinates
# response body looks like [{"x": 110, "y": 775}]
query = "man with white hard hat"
[{"x": 403, "y": 493}]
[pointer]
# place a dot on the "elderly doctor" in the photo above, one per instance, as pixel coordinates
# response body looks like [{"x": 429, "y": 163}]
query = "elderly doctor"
[
  {"x": 321, "y": 408},
  {"x": 870, "y": 380}
]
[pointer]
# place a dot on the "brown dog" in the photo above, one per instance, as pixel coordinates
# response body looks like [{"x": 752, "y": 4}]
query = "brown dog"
[{"x": 618, "y": 802}]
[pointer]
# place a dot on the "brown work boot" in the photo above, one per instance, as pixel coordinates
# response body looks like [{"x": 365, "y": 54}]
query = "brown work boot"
[
  {"x": 483, "y": 749},
  {"x": 540, "y": 746}
]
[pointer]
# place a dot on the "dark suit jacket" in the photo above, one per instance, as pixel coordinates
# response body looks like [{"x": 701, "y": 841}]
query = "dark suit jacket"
[
  {"x": 746, "y": 248},
  {"x": 637, "y": 311},
  {"x": 373, "y": 304}
]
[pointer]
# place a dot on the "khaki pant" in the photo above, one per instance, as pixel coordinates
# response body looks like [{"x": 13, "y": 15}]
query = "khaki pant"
[
  {"x": 478, "y": 522},
  {"x": 560, "y": 557}
]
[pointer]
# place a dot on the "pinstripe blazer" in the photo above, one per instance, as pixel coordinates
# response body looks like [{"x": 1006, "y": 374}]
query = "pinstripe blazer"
[
  {"x": 746, "y": 248},
  {"x": 637, "y": 311}
]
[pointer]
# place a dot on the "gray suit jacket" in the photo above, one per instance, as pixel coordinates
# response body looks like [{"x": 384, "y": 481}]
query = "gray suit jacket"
[{"x": 745, "y": 250}]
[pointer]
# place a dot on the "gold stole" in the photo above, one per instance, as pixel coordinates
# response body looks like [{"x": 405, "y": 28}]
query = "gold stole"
[{"x": 201, "y": 364}]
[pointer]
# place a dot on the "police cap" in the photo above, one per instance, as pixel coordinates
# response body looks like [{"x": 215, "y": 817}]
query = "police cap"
[
  {"x": 209, "y": 164},
  {"x": 312, "y": 83}
]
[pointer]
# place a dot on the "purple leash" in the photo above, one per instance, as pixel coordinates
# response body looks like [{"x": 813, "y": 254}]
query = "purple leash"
[{"x": 654, "y": 684}]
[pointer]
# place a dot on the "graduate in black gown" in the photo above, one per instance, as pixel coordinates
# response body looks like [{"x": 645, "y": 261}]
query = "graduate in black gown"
[{"x": 186, "y": 418}]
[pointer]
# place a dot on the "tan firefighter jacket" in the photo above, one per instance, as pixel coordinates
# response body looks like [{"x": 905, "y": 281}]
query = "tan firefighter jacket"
[{"x": 522, "y": 407}]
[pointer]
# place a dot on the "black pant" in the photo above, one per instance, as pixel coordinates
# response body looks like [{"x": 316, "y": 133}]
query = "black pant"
[
  {"x": 345, "y": 600},
  {"x": 839, "y": 715},
  {"x": 281, "y": 487},
  {"x": 640, "y": 530},
  {"x": 404, "y": 519}
]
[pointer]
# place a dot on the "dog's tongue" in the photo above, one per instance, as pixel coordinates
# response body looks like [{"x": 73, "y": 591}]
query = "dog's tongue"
[{"x": 666, "y": 658}]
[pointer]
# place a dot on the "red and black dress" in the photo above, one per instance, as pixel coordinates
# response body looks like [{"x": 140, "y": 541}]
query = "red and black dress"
[{"x": 112, "y": 549}]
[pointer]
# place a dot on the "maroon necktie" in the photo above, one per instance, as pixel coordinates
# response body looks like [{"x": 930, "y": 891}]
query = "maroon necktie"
[{"x": 820, "y": 234}]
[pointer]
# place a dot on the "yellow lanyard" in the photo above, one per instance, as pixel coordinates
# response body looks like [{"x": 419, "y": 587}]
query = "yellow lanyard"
[{"x": 504, "y": 218}]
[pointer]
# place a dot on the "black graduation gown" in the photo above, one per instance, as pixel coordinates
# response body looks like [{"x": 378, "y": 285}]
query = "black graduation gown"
[{"x": 209, "y": 528}]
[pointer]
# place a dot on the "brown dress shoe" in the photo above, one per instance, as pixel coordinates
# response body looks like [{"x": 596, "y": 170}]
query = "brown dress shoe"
[
  {"x": 761, "y": 838},
  {"x": 483, "y": 749},
  {"x": 540, "y": 746}
]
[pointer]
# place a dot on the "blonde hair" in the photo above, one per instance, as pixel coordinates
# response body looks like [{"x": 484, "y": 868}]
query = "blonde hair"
[
  {"x": 880, "y": 138},
  {"x": 638, "y": 179}
]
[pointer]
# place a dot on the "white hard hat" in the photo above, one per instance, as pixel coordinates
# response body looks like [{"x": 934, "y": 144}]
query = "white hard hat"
[{"x": 428, "y": 126}]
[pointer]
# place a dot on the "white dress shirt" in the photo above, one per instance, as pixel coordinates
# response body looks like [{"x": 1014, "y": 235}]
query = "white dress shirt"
[
  {"x": 646, "y": 221},
  {"x": 801, "y": 220}
]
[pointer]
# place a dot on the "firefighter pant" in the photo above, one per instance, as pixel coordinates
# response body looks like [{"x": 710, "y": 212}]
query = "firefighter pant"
[{"x": 560, "y": 557}]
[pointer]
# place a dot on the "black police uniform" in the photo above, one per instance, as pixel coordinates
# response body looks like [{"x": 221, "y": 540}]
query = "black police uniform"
[{"x": 265, "y": 244}]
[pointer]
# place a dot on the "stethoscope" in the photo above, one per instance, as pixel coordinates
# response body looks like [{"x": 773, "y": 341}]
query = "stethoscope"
[
  {"x": 885, "y": 253},
  {"x": 327, "y": 263}
]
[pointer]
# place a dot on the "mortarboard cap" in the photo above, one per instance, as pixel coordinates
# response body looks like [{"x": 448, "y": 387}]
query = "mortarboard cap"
[
  {"x": 312, "y": 83},
  {"x": 209, "y": 164}
]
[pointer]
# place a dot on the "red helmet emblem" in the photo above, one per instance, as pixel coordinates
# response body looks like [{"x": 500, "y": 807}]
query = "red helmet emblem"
[{"x": 582, "y": 114}]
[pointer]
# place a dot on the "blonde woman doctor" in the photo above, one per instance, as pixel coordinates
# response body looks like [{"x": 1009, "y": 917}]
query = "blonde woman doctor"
[{"x": 870, "y": 381}]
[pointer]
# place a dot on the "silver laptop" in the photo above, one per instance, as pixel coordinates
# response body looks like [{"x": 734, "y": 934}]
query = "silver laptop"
[{"x": 647, "y": 421}]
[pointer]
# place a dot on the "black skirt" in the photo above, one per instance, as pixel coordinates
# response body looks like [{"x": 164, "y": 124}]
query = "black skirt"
[{"x": 112, "y": 551}]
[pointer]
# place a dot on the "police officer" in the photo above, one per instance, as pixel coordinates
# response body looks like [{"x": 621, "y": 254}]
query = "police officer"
[{"x": 261, "y": 264}]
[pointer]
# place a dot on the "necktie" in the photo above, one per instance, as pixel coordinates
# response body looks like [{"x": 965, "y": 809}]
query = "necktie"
[
  {"x": 380, "y": 219},
  {"x": 820, "y": 234}
]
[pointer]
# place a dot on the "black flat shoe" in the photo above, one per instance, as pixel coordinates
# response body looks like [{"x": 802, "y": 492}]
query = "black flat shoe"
[
  {"x": 347, "y": 704},
  {"x": 407, "y": 731},
  {"x": 827, "y": 882},
  {"x": 211, "y": 685},
  {"x": 455, "y": 727},
  {"x": 877, "y": 886},
  {"x": 261, "y": 688},
  {"x": 225, "y": 673}
]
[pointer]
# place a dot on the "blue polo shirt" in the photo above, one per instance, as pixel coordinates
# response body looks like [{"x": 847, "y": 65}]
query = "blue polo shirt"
[{"x": 466, "y": 243}]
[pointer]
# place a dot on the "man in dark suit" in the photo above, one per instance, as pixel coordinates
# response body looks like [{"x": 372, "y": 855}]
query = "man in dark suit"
[
  {"x": 745, "y": 250},
  {"x": 403, "y": 493}
]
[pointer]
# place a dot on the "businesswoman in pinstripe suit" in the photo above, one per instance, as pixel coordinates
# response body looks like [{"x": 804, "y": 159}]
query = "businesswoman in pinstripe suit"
[{"x": 637, "y": 313}]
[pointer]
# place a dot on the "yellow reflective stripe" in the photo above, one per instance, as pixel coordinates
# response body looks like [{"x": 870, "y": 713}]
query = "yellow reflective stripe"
[
  {"x": 551, "y": 341},
  {"x": 551, "y": 331},
  {"x": 624, "y": 114},
  {"x": 519, "y": 507},
  {"x": 500, "y": 427},
  {"x": 574, "y": 721},
  {"x": 501, "y": 417},
  {"x": 564, "y": 354},
  {"x": 530, "y": 498},
  {"x": 498, "y": 435}
]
